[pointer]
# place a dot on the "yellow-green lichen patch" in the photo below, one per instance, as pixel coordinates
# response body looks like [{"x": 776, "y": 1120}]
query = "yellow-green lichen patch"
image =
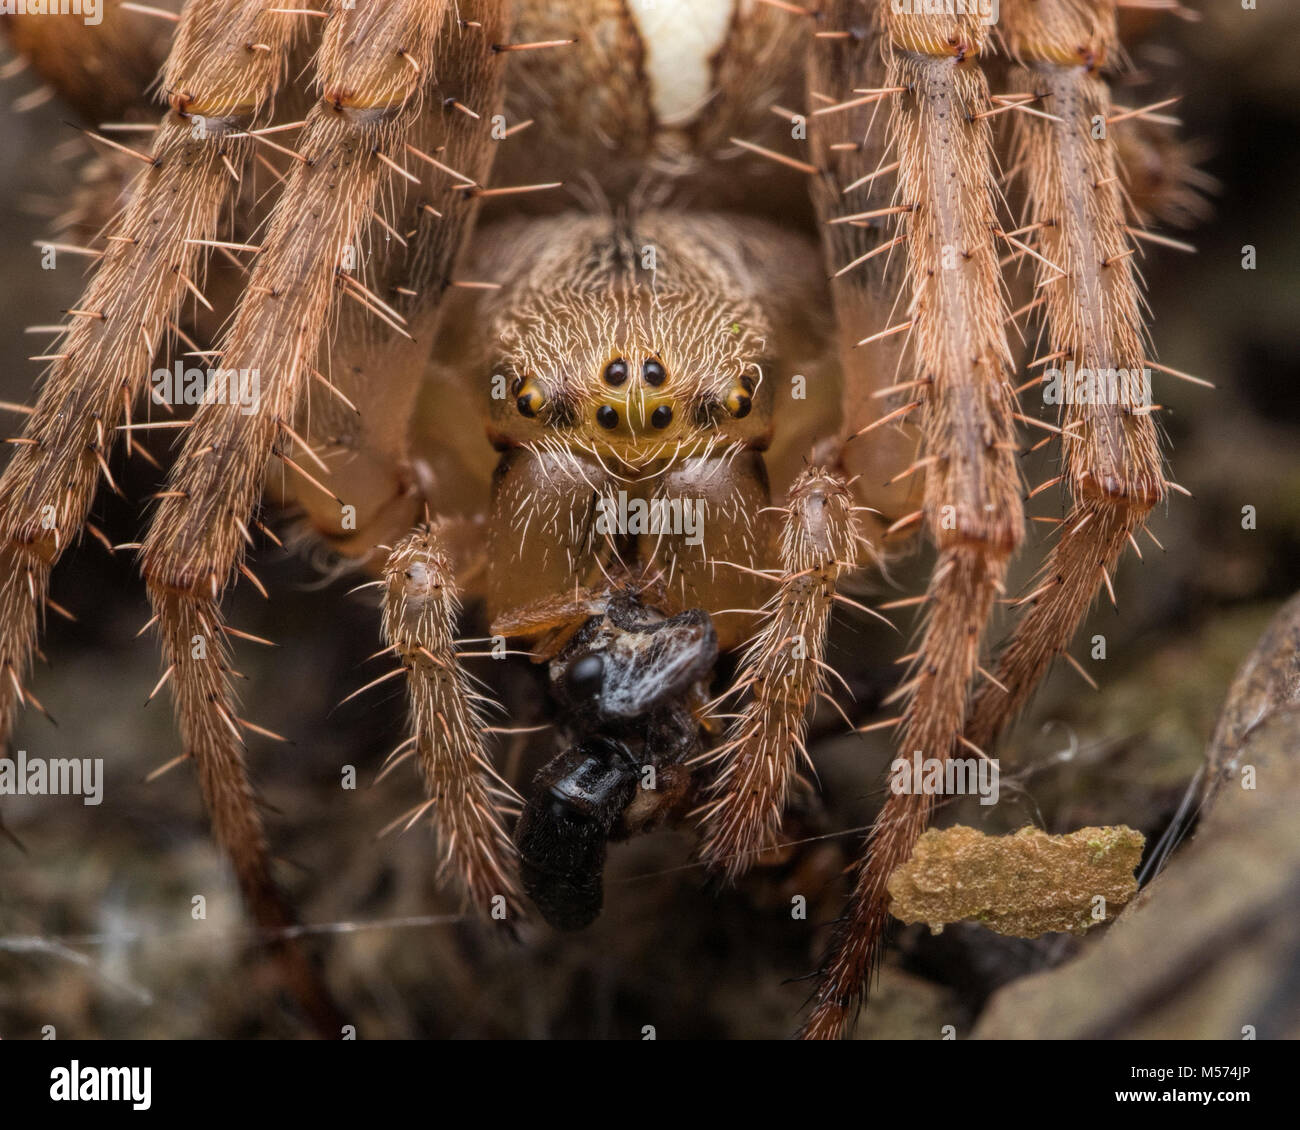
[{"x": 1022, "y": 885}]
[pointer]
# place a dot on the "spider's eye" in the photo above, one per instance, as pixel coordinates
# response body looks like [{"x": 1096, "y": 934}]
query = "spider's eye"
[
  {"x": 662, "y": 416},
  {"x": 738, "y": 401},
  {"x": 653, "y": 373},
  {"x": 530, "y": 398},
  {"x": 616, "y": 372},
  {"x": 586, "y": 677},
  {"x": 607, "y": 417}
]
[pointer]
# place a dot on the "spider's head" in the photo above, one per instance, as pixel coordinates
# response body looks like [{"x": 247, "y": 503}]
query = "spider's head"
[{"x": 600, "y": 353}]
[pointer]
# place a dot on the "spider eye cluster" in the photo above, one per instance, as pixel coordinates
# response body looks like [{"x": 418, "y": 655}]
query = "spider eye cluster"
[
  {"x": 636, "y": 407},
  {"x": 635, "y": 399}
]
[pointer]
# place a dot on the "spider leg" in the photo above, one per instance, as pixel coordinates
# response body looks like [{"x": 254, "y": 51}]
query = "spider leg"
[
  {"x": 408, "y": 264},
  {"x": 783, "y": 668},
  {"x": 1113, "y": 466},
  {"x": 102, "y": 362},
  {"x": 218, "y": 85},
  {"x": 972, "y": 506},
  {"x": 857, "y": 201},
  {"x": 467, "y": 800},
  {"x": 375, "y": 64}
]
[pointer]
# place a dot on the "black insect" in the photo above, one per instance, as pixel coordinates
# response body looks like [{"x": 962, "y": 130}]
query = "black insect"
[{"x": 628, "y": 685}]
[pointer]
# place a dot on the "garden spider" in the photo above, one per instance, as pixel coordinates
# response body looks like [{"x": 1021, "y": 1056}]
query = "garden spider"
[{"x": 662, "y": 329}]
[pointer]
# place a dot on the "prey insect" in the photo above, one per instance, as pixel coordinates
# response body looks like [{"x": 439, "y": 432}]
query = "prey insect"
[
  {"x": 631, "y": 683},
  {"x": 519, "y": 264}
]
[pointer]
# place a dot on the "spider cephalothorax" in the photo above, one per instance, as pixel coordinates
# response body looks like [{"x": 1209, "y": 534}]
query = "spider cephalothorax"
[
  {"x": 788, "y": 313},
  {"x": 639, "y": 339}
]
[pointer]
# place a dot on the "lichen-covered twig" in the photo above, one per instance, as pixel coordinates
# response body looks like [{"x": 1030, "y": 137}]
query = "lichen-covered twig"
[{"x": 1021, "y": 885}]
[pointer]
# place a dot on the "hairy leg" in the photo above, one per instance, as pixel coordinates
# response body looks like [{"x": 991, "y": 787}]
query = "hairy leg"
[
  {"x": 856, "y": 197},
  {"x": 152, "y": 261},
  {"x": 971, "y": 506},
  {"x": 153, "y": 255},
  {"x": 1112, "y": 456},
  {"x": 467, "y": 799},
  {"x": 783, "y": 669},
  {"x": 373, "y": 71}
]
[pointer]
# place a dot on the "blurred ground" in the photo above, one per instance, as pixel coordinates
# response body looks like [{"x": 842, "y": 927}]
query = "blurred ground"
[{"x": 96, "y": 936}]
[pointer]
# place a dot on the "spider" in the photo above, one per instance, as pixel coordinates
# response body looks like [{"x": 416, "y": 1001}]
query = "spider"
[{"x": 648, "y": 326}]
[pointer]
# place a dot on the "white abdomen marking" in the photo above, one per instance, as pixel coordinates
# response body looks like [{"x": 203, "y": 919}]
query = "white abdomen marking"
[{"x": 680, "y": 39}]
